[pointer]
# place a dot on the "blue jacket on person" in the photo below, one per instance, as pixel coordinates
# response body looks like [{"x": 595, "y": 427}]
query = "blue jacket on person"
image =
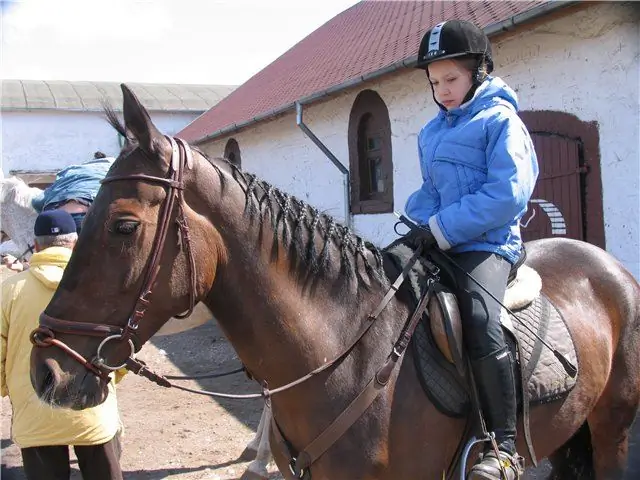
[
  {"x": 76, "y": 182},
  {"x": 479, "y": 168}
]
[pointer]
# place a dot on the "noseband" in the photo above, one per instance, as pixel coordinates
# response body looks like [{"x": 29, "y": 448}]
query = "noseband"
[{"x": 44, "y": 335}]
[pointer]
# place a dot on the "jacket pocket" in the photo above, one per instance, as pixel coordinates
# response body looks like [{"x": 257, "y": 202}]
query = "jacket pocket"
[{"x": 465, "y": 155}]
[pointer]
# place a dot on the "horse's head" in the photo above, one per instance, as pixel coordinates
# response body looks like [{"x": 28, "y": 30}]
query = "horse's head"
[{"x": 132, "y": 268}]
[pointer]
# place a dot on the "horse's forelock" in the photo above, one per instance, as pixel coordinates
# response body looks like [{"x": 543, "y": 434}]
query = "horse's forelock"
[{"x": 113, "y": 120}]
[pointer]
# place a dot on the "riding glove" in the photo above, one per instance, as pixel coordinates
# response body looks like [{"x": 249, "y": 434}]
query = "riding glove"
[{"x": 421, "y": 235}]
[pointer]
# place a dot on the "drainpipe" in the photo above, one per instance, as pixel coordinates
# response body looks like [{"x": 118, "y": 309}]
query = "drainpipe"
[{"x": 345, "y": 172}]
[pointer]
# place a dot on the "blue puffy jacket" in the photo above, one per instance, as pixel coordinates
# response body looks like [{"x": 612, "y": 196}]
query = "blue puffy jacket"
[{"x": 479, "y": 168}]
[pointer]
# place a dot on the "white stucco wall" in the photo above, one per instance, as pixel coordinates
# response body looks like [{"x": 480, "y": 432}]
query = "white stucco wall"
[
  {"x": 585, "y": 64},
  {"x": 50, "y": 140}
]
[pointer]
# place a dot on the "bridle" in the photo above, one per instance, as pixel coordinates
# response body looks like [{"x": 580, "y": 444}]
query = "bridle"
[{"x": 44, "y": 335}]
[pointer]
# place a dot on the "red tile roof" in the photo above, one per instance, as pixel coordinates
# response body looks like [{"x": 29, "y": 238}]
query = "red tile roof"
[{"x": 362, "y": 40}]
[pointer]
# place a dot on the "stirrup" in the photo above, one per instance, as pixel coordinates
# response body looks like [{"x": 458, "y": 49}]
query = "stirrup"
[
  {"x": 516, "y": 460},
  {"x": 501, "y": 466}
]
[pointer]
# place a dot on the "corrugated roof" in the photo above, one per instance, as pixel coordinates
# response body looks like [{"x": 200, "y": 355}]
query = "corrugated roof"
[
  {"x": 88, "y": 96},
  {"x": 366, "y": 38}
]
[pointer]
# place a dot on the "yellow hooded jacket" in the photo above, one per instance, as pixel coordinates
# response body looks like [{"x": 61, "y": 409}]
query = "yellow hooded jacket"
[{"x": 34, "y": 423}]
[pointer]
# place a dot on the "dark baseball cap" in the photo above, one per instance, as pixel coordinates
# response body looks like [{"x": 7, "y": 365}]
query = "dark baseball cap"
[{"x": 54, "y": 222}]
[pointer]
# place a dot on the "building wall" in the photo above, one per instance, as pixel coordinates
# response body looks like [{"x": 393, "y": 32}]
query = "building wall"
[
  {"x": 585, "y": 64},
  {"x": 588, "y": 65},
  {"x": 50, "y": 140}
]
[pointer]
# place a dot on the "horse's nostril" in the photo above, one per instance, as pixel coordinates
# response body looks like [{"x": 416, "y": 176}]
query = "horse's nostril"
[{"x": 47, "y": 380}]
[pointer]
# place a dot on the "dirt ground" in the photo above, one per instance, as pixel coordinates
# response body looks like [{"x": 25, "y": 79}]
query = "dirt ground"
[{"x": 170, "y": 434}]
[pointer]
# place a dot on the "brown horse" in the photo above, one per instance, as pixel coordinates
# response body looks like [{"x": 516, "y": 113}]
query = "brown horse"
[{"x": 291, "y": 288}]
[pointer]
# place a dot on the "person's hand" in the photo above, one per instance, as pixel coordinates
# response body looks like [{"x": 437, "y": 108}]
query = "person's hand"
[
  {"x": 8, "y": 259},
  {"x": 17, "y": 266},
  {"x": 423, "y": 236},
  {"x": 12, "y": 263}
]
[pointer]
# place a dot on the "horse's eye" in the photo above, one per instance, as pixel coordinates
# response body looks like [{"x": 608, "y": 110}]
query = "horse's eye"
[{"x": 125, "y": 227}]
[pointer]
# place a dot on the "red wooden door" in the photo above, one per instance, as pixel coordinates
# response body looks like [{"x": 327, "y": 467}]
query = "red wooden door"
[
  {"x": 555, "y": 208},
  {"x": 567, "y": 200}
]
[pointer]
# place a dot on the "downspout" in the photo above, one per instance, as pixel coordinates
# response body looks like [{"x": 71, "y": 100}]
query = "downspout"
[{"x": 345, "y": 172}]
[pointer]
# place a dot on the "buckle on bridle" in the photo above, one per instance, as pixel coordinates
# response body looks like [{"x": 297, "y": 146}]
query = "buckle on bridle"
[
  {"x": 41, "y": 337},
  {"x": 293, "y": 468},
  {"x": 99, "y": 361}
]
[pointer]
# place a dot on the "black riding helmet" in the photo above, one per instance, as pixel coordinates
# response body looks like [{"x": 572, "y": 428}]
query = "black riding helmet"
[{"x": 452, "y": 39}]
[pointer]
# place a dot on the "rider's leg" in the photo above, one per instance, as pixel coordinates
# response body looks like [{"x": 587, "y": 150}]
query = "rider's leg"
[{"x": 490, "y": 357}]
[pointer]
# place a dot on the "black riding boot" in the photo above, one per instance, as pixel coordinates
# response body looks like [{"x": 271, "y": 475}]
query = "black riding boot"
[{"x": 494, "y": 377}]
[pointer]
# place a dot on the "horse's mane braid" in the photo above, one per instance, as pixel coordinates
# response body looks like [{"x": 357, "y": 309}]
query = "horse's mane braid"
[
  {"x": 293, "y": 217},
  {"x": 290, "y": 218}
]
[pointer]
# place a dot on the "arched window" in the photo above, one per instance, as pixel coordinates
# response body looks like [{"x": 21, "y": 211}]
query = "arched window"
[
  {"x": 232, "y": 152},
  {"x": 370, "y": 161}
]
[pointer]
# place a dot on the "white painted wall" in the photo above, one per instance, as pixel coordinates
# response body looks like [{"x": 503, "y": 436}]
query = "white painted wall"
[
  {"x": 53, "y": 139},
  {"x": 585, "y": 64}
]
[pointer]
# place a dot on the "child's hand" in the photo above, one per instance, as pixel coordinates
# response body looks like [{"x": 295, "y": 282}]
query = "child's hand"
[{"x": 421, "y": 235}]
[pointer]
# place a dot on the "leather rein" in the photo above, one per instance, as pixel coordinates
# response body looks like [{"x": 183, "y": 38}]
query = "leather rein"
[{"x": 44, "y": 335}]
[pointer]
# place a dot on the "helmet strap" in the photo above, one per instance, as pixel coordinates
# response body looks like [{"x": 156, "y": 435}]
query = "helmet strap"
[{"x": 477, "y": 77}]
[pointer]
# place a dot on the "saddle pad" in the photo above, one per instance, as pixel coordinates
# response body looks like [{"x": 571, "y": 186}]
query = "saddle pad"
[
  {"x": 545, "y": 377},
  {"x": 446, "y": 389}
]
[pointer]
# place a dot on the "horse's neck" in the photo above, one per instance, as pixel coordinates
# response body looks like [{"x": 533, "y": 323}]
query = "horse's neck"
[
  {"x": 284, "y": 315},
  {"x": 273, "y": 323}
]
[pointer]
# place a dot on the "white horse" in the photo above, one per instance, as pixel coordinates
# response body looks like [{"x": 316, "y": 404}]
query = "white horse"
[{"x": 18, "y": 216}]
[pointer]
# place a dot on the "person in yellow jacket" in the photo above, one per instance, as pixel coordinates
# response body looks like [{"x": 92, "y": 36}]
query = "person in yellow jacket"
[{"x": 44, "y": 433}]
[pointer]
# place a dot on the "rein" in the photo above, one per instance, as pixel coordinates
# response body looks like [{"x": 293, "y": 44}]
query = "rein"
[{"x": 140, "y": 368}]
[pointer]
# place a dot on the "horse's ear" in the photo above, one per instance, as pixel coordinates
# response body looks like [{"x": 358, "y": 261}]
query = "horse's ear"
[{"x": 138, "y": 122}]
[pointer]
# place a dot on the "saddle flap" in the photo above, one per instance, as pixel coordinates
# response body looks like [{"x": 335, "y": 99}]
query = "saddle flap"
[{"x": 446, "y": 326}]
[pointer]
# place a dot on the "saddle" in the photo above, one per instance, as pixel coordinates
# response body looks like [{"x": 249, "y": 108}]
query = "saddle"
[{"x": 438, "y": 343}]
